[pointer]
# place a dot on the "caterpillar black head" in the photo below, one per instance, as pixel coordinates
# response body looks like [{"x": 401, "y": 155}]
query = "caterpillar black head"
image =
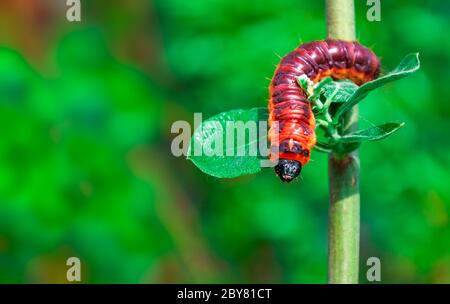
[{"x": 288, "y": 169}]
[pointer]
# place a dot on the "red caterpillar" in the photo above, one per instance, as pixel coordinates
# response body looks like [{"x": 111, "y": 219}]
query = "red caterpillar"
[{"x": 288, "y": 104}]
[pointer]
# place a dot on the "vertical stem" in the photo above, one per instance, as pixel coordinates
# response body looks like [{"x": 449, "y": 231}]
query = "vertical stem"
[
  {"x": 343, "y": 172},
  {"x": 341, "y": 19}
]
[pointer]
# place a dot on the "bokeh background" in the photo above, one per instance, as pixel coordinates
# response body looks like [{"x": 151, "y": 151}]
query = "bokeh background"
[{"x": 85, "y": 163}]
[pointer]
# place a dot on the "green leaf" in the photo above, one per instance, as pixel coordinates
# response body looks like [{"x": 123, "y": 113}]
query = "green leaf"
[
  {"x": 318, "y": 87},
  {"x": 407, "y": 66},
  {"x": 339, "y": 91},
  {"x": 306, "y": 84},
  {"x": 313, "y": 90},
  {"x": 209, "y": 141},
  {"x": 323, "y": 147},
  {"x": 372, "y": 133}
]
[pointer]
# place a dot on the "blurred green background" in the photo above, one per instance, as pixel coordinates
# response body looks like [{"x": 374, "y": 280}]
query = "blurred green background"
[{"x": 85, "y": 162}]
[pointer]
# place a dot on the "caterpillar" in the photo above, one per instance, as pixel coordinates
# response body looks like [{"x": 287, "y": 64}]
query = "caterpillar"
[{"x": 289, "y": 105}]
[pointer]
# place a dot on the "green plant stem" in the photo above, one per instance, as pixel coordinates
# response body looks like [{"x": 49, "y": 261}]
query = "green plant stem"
[{"x": 343, "y": 250}]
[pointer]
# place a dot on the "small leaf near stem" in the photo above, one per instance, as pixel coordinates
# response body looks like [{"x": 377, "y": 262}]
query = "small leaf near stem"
[
  {"x": 407, "y": 66},
  {"x": 345, "y": 94},
  {"x": 338, "y": 91},
  {"x": 372, "y": 133},
  {"x": 323, "y": 147}
]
